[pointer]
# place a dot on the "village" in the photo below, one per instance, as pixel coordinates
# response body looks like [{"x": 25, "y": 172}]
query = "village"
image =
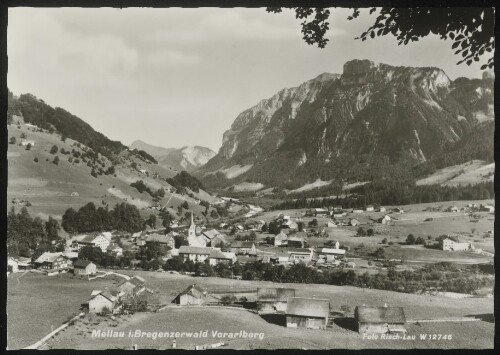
[{"x": 313, "y": 239}]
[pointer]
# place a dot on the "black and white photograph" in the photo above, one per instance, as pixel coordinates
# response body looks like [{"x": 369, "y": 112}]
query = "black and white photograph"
[{"x": 243, "y": 178}]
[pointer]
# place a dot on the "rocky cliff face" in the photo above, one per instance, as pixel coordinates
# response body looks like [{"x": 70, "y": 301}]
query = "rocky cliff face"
[{"x": 371, "y": 110}]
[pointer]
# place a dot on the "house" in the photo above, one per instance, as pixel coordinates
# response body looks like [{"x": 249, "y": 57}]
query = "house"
[
  {"x": 452, "y": 209},
  {"x": 193, "y": 295},
  {"x": 143, "y": 171},
  {"x": 354, "y": 222},
  {"x": 84, "y": 267},
  {"x": 12, "y": 265},
  {"x": 99, "y": 241},
  {"x": 26, "y": 142},
  {"x": 448, "y": 244},
  {"x": 369, "y": 208},
  {"x": 239, "y": 247},
  {"x": 165, "y": 240},
  {"x": 132, "y": 286},
  {"x": 385, "y": 220},
  {"x": 288, "y": 224},
  {"x": 101, "y": 300},
  {"x": 280, "y": 240},
  {"x": 338, "y": 209},
  {"x": 380, "y": 320},
  {"x": 331, "y": 225},
  {"x": 214, "y": 238},
  {"x": 272, "y": 300},
  {"x": 357, "y": 211},
  {"x": 313, "y": 212},
  {"x": 195, "y": 254},
  {"x": 218, "y": 257},
  {"x": 296, "y": 242},
  {"x": 487, "y": 208},
  {"x": 52, "y": 261},
  {"x": 398, "y": 210},
  {"x": 280, "y": 259},
  {"x": 309, "y": 313},
  {"x": 381, "y": 209},
  {"x": 115, "y": 249},
  {"x": 331, "y": 254},
  {"x": 301, "y": 255}
]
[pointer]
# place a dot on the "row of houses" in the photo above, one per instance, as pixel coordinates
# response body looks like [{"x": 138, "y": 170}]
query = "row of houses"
[
  {"x": 307, "y": 313},
  {"x": 338, "y": 211},
  {"x": 101, "y": 241}
]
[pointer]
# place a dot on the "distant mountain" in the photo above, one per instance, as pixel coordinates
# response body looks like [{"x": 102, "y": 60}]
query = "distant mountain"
[
  {"x": 375, "y": 121},
  {"x": 185, "y": 158}
]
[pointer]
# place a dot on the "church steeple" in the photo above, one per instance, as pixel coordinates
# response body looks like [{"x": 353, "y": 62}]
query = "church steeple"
[{"x": 192, "y": 228}]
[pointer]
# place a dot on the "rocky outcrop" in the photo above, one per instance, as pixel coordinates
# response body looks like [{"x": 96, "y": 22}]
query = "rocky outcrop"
[{"x": 373, "y": 110}]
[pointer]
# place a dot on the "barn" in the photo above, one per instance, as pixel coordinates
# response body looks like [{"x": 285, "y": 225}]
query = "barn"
[
  {"x": 380, "y": 319},
  {"x": 310, "y": 313},
  {"x": 193, "y": 295},
  {"x": 272, "y": 300}
]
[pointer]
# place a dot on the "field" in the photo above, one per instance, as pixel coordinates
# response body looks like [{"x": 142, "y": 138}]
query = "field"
[
  {"x": 277, "y": 336},
  {"x": 464, "y": 174},
  {"x": 417, "y": 221},
  {"x": 37, "y": 303}
]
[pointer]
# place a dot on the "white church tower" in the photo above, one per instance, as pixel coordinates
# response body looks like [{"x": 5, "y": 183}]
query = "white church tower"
[{"x": 194, "y": 241}]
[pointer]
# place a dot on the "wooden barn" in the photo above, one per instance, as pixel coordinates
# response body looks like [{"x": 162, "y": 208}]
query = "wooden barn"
[
  {"x": 310, "y": 313},
  {"x": 380, "y": 319},
  {"x": 193, "y": 295},
  {"x": 272, "y": 300}
]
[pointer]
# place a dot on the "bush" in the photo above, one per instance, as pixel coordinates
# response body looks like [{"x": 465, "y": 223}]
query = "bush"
[
  {"x": 370, "y": 232},
  {"x": 361, "y": 232},
  {"x": 410, "y": 240},
  {"x": 35, "y": 160},
  {"x": 28, "y": 147},
  {"x": 56, "y": 160},
  {"x": 12, "y": 140}
]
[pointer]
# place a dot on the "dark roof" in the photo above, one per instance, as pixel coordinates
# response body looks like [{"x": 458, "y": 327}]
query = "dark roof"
[
  {"x": 160, "y": 238},
  {"x": 193, "y": 290},
  {"x": 367, "y": 314},
  {"x": 82, "y": 263},
  {"x": 240, "y": 244},
  {"x": 184, "y": 249},
  {"x": 308, "y": 307},
  {"x": 275, "y": 294},
  {"x": 299, "y": 250}
]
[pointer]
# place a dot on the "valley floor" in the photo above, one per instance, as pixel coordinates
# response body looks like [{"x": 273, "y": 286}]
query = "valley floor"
[{"x": 43, "y": 302}]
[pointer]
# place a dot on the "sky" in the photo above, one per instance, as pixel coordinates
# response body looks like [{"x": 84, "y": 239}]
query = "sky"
[{"x": 179, "y": 77}]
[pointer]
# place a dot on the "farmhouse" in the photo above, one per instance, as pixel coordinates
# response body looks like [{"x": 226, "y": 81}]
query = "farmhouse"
[
  {"x": 101, "y": 300},
  {"x": 280, "y": 259},
  {"x": 288, "y": 224},
  {"x": 272, "y": 300},
  {"x": 99, "y": 241},
  {"x": 331, "y": 254},
  {"x": 12, "y": 265},
  {"x": 214, "y": 238},
  {"x": 385, "y": 220},
  {"x": 239, "y": 247},
  {"x": 164, "y": 240},
  {"x": 132, "y": 286},
  {"x": 380, "y": 319},
  {"x": 280, "y": 240},
  {"x": 452, "y": 209},
  {"x": 310, "y": 313},
  {"x": 52, "y": 261},
  {"x": 84, "y": 267},
  {"x": 357, "y": 211},
  {"x": 219, "y": 257},
  {"x": 26, "y": 142},
  {"x": 369, "y": 208},
  {"x": 115, "y": 249},
  {"x": 301, "y": 255},
  {"x": 193, "y": 295},
  {"x": 398, "y": 210},
  {"x": 331, "y": 224},
  {"x": 487, "y": 208},
  {"x": 448, "y": 244},
  {"x": 381, "y": 209},
  {"x": 195, "y": 254},
  {"x": 317, "y": 211}
]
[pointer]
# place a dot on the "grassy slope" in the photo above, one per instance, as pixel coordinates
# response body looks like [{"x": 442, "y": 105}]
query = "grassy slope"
[
  {"x": 463, "y": 174},
  {"x": 48, "y": 187}
]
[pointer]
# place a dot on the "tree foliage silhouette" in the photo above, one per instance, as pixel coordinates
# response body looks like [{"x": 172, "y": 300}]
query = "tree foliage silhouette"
[{"x": 470, "y": 28}]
